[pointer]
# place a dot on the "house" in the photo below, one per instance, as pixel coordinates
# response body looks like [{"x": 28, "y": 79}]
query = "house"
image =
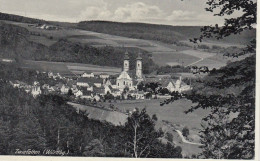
[
  {"x": 89, "y": 82},
  {"x": 50, "y": 74},
  {"x": 36, "y": 83},
  {"x": 46, "y": 86},
  {"x": 136, "y": 94},
  {"x": 108, "y": 89},
  {"x": 79, "y": 93},
  {"x": 36, "y": 90},
  {"x": 104, "y": 76},
  {"x": 64, "y": 89},
  {"x": 15, "y": 84},
  {"x": 59, "y": 86},
  {"x": 99, "y": 91},
  {"x": 116, "y": 92},
  {"x": 86, "y": 94},
  {"x": 172, "y": 85},
  {"x": 107, "y": 82},
  {"x": 88, "y": 75}
]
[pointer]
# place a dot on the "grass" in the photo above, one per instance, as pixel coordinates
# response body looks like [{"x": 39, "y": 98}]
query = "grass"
[
  {"x": 68, "y": 68},
  {"x": 113, "y": 117},
  {"x": 172, "y": 112},
  {"x": 164, "y": 58}
]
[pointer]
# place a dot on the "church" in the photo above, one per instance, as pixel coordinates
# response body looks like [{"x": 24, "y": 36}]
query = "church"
[{"x": 124, "y": 79}]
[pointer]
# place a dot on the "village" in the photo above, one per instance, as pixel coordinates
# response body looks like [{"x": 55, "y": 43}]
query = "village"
[{"x": 129, "y": 84}]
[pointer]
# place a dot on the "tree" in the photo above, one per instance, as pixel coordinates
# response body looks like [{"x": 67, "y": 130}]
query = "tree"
[
  {"x": 229, "y": 92},
  {"x": 185, "y": 131},
  {"x": 140, "y": 134},
  {"x": 245, "y": 21},
  {"x": 169, "y": 137},
  {"x": 94, "y": 149},
  {"x": 70, "y": 93}
]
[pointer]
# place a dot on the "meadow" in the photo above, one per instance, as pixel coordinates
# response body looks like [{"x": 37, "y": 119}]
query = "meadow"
[{"x": 65, "y": 68}]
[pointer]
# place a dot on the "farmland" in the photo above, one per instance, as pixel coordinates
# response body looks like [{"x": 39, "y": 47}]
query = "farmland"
[
  {"x": 162, "y": 54},
  {"x": 68, "y": 68}
]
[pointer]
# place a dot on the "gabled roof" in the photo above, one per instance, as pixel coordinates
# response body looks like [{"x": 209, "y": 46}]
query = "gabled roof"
[
  {"x": 90, "y": 81},
  {"x": 98, "y": 90},
  {"x": 123, "y": 75},
  {"x": 165, "y": 82}
]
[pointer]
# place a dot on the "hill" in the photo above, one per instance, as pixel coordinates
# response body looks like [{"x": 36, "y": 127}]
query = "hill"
[
  {"x": 162, "y": 33},
  {"x": 16, "y": 43}
]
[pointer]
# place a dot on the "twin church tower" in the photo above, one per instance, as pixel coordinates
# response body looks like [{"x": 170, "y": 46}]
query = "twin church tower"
[
  {"x": 138, "y": 65},
  {"x": 124, "y": 78}
]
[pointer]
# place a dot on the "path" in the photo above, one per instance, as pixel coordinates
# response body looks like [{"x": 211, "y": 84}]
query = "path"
[
  {"x": 184, "y": 140},
  {"x": 195, "y": 62}
]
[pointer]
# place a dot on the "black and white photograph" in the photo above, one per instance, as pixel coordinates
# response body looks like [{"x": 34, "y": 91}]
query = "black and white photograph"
[{"x": 128, "y": 79}]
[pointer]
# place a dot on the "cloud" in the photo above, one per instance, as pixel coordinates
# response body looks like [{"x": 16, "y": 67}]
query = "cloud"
[
  {"x": 96, "y": 11},
  {"x": 137, "y": 12},
  {"x": 180, "y": 15}
]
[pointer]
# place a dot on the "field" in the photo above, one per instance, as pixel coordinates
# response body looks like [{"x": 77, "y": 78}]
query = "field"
[
  {"x": 172, "y": 112},
  {"x": 162, "y": 54},
  {"x": 113, "y": 117},
  {"x": 69, "y": 68}
]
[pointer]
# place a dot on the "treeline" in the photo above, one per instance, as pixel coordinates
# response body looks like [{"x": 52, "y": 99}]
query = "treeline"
[
  {"x": 17, "y": 18},
  {"x": 48, "y": 122},
  {"x": 172, "y": 69},
  {"x": 162, "y": 33},
  {"x": 14, "y": 43}
]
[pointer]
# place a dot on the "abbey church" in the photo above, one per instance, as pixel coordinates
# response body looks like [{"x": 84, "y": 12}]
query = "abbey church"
[{"x": 126, "y": 79}]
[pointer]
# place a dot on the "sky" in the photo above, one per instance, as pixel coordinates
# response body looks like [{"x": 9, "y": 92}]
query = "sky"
[{"x": 170, "y": 12}]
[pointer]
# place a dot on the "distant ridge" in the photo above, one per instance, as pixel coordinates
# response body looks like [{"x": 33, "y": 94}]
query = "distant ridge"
[{"x": 163, "y": 33}]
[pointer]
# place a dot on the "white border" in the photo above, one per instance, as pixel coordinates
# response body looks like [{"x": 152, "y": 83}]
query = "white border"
[{"x": 257, "y": 128}]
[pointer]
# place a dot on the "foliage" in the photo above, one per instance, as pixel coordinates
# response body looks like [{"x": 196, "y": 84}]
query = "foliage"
[
  {"x": 232, "y": 26},
  {"x": 142, "y": 138},
  {"x": 94, "y": 149},
  {"x": 172, "y": 69},
  {"x": 185, "y": 131}
]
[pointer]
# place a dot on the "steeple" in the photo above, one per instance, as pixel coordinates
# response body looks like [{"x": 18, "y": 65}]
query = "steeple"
[
  {"x": 126, "y": 55},
  {"x": 126, "y": 62},
  {"x": 139, "y": 66},
  {"x": 139, "y": 56}
]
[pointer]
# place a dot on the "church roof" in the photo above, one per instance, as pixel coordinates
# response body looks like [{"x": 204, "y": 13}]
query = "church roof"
[{"x": 124, "y": 75}]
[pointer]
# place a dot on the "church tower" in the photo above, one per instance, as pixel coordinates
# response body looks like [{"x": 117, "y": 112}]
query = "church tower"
[
  {"x": 126, "y": 62},
  {"x": 139, "y": 74}
]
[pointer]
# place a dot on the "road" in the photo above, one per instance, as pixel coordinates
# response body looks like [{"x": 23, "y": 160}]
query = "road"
[{"x": 186, "y": 141}]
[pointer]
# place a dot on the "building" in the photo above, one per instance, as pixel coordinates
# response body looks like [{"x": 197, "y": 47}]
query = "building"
[
  {"x": 89, "y": 82},
  {"x": 124, "y": 79},
  {"x": 104, "y": 76},
  {"x": 174, "y": 85},
  {"x": 88, "y": 75},
  {"x": 64, "y": 89},
  {"x": 36, "y": 90}
]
